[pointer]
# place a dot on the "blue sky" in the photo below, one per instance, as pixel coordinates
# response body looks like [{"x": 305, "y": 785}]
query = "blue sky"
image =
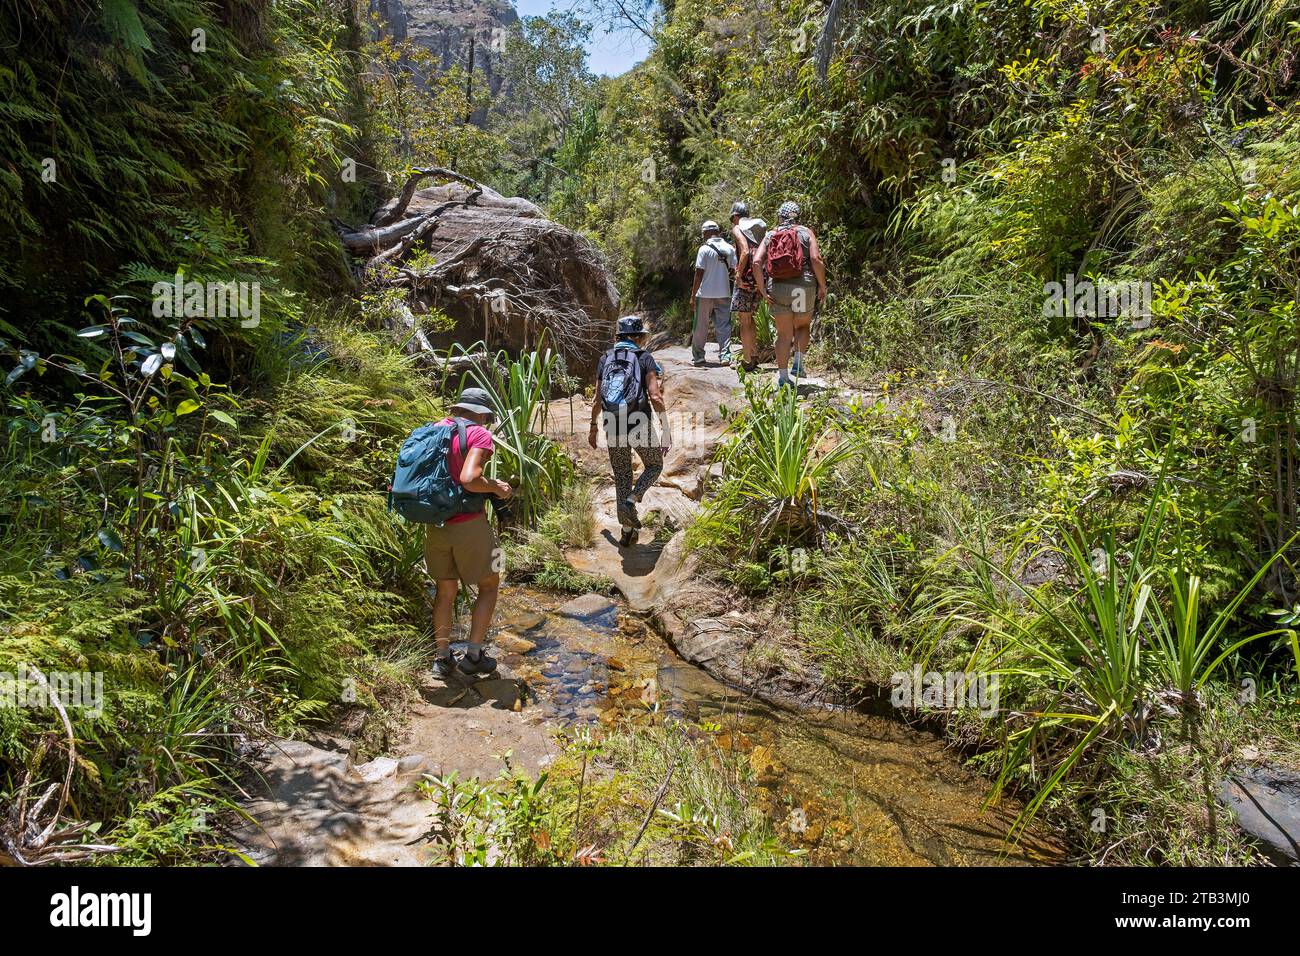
[{"x": 607, "y": 54}]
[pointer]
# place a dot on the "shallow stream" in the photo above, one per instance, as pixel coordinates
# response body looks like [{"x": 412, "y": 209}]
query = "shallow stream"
[{"x": 850, "y": 788}]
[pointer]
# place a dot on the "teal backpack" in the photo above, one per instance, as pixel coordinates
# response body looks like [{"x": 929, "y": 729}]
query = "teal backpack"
[{"x": 423, "y": 489}]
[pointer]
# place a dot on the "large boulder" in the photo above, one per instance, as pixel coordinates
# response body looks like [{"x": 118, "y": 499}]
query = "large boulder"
[{"x": 509, "y": 276}]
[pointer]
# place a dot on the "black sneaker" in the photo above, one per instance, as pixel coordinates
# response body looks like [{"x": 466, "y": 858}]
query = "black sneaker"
[
  {"x": 750, "y": 367},
  {"x": 472, "y": 667},
  {"x": 627, "y": 515},
  {"x": 444, "y": 667},
  {"x": 628, "y": 539}
]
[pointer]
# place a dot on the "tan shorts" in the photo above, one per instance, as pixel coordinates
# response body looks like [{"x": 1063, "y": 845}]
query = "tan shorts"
[
  {"x": 462, "y": 549},
  {"x": 797, "y": 296}
]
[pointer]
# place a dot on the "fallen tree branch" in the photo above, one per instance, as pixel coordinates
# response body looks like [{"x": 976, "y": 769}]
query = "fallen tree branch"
[
  {"x": 372, "y": 239},
  {"x": 21, "y": 843},
  {"x": 429, "y": 224},
  {"x": 413, "y": 181}
]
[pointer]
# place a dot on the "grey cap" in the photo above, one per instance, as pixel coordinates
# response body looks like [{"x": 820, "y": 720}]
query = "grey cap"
[
  {"x": 631, "y": 325},
  {"x": 474, "y": 400},
  {"x": 709, "y": 226},
  {"x": 739, "y": 209}
]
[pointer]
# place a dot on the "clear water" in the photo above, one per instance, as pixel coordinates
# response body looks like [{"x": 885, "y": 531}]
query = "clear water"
[{"x": 849, "y": 788}]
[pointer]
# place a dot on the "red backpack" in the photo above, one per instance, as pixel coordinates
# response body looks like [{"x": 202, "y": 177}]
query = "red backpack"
[{"x": 785, "y": 253}]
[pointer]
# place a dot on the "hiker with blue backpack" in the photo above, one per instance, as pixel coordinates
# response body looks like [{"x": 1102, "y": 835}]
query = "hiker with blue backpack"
[
  {"x": 439, "y": 482},
  {"x": 627, "y": 387},
  {"x": 794, "y": 283}
]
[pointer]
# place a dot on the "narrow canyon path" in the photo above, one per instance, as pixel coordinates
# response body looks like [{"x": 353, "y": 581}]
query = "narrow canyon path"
[{"x": 653, "y": 568}]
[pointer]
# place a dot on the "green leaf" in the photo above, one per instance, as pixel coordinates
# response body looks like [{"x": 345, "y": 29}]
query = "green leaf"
[
  {"x": 109, "y": 539},
  {"x": 122, "y": 21},
  {"x": 224, "y": 418},
  {"x": 187, "y": 406}
]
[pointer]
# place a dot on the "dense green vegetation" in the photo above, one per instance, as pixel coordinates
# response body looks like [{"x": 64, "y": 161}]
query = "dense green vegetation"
[
  {"x": 1098, "y": 507},
  {"x": 191, "y": 503}
]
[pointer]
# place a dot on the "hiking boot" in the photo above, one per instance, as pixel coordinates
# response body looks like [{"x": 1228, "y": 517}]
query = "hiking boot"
[
  {"x": 628, "y": 538},
  {"x": 627, "y": 515},
  {"x": 796, "y": 368},
  {"x": 698, "y": 361},
  {"x": 444, "y": 666},
  {"x": 472, "y": 667},
  {"x": 750, "y": 367}
]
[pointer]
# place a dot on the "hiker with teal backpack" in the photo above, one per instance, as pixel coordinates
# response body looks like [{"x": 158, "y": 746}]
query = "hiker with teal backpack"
[
  {"x": 627, "y": 388},
  {"x": 793, "y": 283},
  {"x": 439, "y": 482}
]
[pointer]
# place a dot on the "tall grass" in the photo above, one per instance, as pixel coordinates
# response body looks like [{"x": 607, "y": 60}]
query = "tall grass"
[
  {"x": 519, "y": 389},
  {"x": 779, "y": 455},
  {"x": 1106, "y": 658}
]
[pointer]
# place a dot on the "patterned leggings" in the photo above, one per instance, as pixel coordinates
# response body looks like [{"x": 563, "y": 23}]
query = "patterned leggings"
[{"x": 620, "y": 460}]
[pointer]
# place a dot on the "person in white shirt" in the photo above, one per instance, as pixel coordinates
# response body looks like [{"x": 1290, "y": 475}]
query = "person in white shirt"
[{"x": 711, "y": 293}]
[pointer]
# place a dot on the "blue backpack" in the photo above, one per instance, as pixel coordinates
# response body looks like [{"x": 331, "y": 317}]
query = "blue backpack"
[
  {"x": 423, "y": 488},
  {"x": 621, "y": 383}
]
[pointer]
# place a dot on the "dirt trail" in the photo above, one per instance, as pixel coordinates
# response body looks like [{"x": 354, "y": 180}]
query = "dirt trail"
[
  {"x": 316, "y": 807},
  {"x": 693, "y": 399}
]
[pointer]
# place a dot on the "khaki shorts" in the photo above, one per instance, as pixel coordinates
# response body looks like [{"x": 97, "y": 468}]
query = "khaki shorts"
[
  {"x": 462, "y": 549},
  {"x": 792, "y": 296}
]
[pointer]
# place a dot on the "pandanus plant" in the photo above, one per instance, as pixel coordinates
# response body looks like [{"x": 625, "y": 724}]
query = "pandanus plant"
[
  {"x": 779, "y": 458},
  {"x": 1110, "y": 654},
  {"x": 533, "y": 464}
]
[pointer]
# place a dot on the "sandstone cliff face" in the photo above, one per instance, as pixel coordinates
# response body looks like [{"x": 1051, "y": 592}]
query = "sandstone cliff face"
[{"x": 445, "y": 28}]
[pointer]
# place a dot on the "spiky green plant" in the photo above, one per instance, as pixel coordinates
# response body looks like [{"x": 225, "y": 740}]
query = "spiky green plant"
[
  {"x": 778, "y": 456},
  {"x": 533, "y": 464},
  {"x": 1106, "y": 653}
]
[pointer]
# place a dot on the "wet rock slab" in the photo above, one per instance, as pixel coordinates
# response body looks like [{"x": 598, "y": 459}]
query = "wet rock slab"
[
  {"x": 1266, "y": 802},
  {"x": 596, "y": 610}
]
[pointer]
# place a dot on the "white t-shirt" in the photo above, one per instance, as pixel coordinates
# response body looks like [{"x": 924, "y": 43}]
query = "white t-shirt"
[{"x": 715, "y": 284}]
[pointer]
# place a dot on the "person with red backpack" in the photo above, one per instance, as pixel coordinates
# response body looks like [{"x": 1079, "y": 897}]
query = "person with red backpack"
[
  {"x": 793, "y": 271},
  {"x": 627, "y": 387}
]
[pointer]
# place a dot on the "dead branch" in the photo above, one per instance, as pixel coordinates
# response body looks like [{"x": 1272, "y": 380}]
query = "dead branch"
[
  {"x": 23, "y": 842},
  {"x": 372, "y": 239},
  {"x": 426, "y": 226},
  {"x": 383, "y": 218}
]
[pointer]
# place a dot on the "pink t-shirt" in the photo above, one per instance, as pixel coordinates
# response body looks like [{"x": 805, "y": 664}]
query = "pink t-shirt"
[{"x": 478, "y": 437}]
